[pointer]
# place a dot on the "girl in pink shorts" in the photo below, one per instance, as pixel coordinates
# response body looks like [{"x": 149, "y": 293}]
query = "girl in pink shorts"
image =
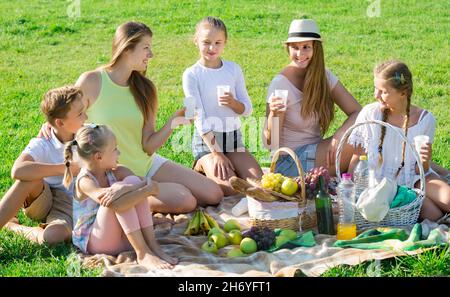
[{"x": 110, "y": 205}]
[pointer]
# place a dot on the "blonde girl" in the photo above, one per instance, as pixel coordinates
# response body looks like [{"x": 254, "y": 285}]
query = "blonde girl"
[
  {"x": 313, "y": 91},
  {"x": 110, "y": 207},
  {"x": 217, "y": 143},
  {"x": 386, "y": 151},
  {"x": 121, "y": 96}
]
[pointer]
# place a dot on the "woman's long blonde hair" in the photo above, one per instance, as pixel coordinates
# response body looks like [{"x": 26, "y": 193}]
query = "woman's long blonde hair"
[
  {"x": 399, "y": 77},
  {"x": 317, "y": 102},
  {"x": 127, "y": 36}
]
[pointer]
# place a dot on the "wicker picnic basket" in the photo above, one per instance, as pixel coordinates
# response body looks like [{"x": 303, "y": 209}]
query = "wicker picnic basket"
[
  {"x": 268, "y": 200},
  {"x": 406, "y": 215}
]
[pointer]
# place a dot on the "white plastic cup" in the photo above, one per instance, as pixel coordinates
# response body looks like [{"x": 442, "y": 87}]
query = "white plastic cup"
[
  {"x": 221, "y": 89},
  {"x": 240, "y": 208},
  {"x": 189, "y": 103},
  {"x": 419, "y": 141},
  {"x": 283, "y": 94}
]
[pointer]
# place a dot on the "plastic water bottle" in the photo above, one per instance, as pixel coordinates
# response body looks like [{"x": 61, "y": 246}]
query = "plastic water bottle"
[
  {"x": 361, "y": 176},
  {"x": 346, "y": 228}
]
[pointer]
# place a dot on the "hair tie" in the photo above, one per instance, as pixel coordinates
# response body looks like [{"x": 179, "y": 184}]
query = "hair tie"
[
  {"x": 74, "y": 142},
  {"x": 400, "y": 78},
  {"x": 90, "y": 139},
  {"x": 67, "y": 164}
]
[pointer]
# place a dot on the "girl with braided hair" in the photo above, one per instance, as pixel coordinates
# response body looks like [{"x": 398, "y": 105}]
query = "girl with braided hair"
[
  {"x": 110, "y": 206},
  {"x": 387, "y": 153}
]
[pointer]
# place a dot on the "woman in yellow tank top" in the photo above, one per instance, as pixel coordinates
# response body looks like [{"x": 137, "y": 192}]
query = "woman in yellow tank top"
[{"x": 120, "y": 96}]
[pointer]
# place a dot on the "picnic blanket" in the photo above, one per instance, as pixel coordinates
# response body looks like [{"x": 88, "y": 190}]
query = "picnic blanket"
[{"x": 193, "y": 261}]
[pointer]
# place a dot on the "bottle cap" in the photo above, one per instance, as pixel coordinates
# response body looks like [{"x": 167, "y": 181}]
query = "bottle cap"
[
  {"x": 346, "y": 176},
  {"x": 363, "y": 157}
]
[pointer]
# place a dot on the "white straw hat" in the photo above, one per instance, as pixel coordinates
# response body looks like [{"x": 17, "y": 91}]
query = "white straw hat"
[{"x": 303, "y": 30}]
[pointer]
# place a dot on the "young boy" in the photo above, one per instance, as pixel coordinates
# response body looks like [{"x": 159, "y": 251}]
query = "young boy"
[{"x": 39, "y": 170}]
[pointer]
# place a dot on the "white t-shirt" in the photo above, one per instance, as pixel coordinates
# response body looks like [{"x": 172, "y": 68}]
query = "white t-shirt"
[
  {"x": 201, "y": 83},
  {"x": 297, "y": 131},
  {"x": 51, "y": 152},
  {"x": 368, "y": 136}
]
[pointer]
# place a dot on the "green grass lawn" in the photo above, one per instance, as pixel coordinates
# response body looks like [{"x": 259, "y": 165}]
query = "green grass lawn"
[{"x": 41, "y": 47}]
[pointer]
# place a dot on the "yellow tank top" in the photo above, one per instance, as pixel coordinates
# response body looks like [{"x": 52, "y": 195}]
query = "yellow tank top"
[{"x": 115, "y": 107}]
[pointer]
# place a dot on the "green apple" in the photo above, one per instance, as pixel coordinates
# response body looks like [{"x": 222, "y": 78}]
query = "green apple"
[
  {"x": 289, "y": 233},
  {"x": 235, "y": 252},
  {"x": 248, "y": 245},
  {"x": 231, "y": 224},
  {"x": 289, "y": 187},
  {"x": 214, "y": 231},
  {"x": 280, "y": 240},
  {"x": 235, "y": 237},
  {"x": 219, "y": 239},
  {"x": 209, "y": 247}
]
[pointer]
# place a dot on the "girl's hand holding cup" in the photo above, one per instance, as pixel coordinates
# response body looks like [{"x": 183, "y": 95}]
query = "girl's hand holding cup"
[
  {"x": 423, "y": 148},
  {"x": 277, "y": 104},
  {"x": 225, "y": 97}
]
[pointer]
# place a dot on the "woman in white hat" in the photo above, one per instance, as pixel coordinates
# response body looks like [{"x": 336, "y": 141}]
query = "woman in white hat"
[{"x": 312, "y": 90}]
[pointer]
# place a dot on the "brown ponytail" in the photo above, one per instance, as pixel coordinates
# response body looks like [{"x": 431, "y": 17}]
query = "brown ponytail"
[
  {"x": 144, "y": 93},
  {"x": 383, "y": 134},
  {"x": 68, "y": 157},
  {"x": 405, "y": 130}
]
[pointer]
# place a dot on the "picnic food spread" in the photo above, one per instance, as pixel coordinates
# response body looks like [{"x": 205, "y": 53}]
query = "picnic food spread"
[{"x": 279, "y": 206}]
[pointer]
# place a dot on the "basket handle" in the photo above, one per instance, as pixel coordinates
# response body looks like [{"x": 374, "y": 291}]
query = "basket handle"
[
  {"x": 349, "y": 131},
  {"x": 297, "y": 162}
]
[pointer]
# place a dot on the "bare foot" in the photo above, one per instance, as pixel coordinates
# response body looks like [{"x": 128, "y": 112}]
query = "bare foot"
[
  {"x": 160, "y": 253},
  {"x": 14, "y": 220},
  {"x": 12, "y": 224},
  {"x": 34, "y": 234},
  {"x": 161, "y": 220},
  {"x": 151, "y": 261}
]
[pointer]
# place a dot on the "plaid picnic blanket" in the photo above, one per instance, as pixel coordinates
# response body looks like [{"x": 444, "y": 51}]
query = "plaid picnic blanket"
[{"x": 308, "y": 261}]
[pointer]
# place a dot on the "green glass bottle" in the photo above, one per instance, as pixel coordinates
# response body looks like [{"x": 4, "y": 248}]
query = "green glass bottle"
[{"x": 324, "y": 210}]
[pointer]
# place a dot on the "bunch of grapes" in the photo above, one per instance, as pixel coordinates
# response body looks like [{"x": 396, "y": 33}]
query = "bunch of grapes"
[
  {"x": 272, "y": 181},
  {"x": 312, "y": 182},
  {"x": 263, "y": 236}
]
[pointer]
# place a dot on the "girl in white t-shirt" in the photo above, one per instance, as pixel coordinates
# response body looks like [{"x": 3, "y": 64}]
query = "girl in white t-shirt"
[
  {"x": 313, "y": 91},
  {"x": 386, "y": 151},
  {"x": 217, "y": 143}
]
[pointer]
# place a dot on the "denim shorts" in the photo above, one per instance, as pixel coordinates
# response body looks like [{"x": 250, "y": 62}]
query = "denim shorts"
[
  {"x": 307, "y": 156},
  {"x": 227, "y": 141}
]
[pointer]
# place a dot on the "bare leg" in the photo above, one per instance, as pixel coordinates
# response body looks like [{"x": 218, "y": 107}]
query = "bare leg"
[
  {"x": 146, "y": 224},
  {"x": 322, "y": 152},
  {"x": 34, "y": 234},
  {"x": 245, "y": 165},
  {"x": 172, "y": 198},
  {"x": 107, "y": 237},
  {"x": 150, "y": 239},
  {"x": 430, "y": 210},
  {"x": 203, "y": 189},
  {"x": 439, "y": 192},
  {"x": 16, "y": 196},
  {"x": 144, "y": 255},
  {"x": 206, "y": 164}
]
